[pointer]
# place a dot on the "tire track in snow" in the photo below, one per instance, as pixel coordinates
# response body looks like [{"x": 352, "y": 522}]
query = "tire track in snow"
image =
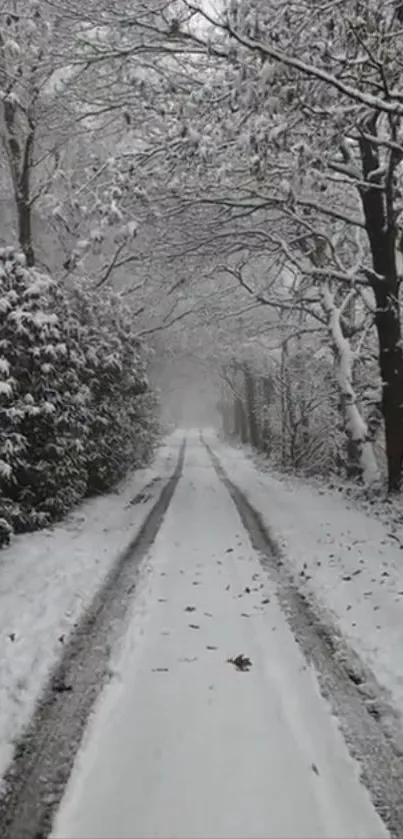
[
  {"x": 380, "y": 761},
  {"x": 34, "y": 784}
]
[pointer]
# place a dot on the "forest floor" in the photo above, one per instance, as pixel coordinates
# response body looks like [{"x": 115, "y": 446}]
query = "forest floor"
[{"x": 231, "y": 677}]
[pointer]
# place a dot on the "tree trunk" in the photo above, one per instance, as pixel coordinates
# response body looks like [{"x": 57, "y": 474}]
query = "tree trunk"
[
  {"x": 20, "y": 156},
  {"x": 23, "y": 199},
  {"x": 223, "y": 411},
  {"x": 267, "y": 387},
  {"x": 244, "y": 423},
  {"x": 387, "y": 321},
  {"x": 25, "y": 230},
  {"x": 360, "y": 448},
  {"x": 251, "y": 407},
  {"x": 353, "y": 467},
  {"x": 380, "y": 224},
  {"x": 283, "y": 403},
  {"x": 240, "y": 422}
]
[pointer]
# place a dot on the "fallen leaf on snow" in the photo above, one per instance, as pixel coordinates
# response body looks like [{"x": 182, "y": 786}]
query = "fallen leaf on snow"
[
  {"x": 241, "y": 662},
  {"x": 61, "y": 687}
]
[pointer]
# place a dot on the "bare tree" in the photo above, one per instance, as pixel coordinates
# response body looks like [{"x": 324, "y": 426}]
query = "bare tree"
[{"x": 316, "y": 98}]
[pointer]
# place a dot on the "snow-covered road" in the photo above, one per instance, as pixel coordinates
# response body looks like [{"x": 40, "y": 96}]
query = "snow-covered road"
[{"x": 182, "y": 743}]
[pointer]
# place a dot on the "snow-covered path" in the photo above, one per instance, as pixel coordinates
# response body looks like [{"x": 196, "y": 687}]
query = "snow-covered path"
[{"x": 182, "y": 744}]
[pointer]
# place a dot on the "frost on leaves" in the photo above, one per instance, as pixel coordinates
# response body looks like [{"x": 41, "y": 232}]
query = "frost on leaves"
[{"x": 75, "y": 408}]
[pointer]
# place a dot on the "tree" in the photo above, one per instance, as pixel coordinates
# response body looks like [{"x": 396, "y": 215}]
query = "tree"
[
  {"x": 318, "y": 98},
  {"x": 34, "y": 53},
  {"x": 59, "y": 168}
]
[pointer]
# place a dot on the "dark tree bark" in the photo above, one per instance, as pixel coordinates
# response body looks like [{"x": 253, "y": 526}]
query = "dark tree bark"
[
  {"x": 391, "y": 365},
  {"x": 20, "y": 161},
  {"x": 251, "y": 407},
  {"x": 24, "y": 215},
  {"x": 381, "y": 229},
  {"x": 267, "y": 389}
]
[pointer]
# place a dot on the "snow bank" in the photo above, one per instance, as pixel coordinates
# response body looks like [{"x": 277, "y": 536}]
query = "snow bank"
[
  {"x": 351, "y": 563},
  {"x": 47, "y": 579}
]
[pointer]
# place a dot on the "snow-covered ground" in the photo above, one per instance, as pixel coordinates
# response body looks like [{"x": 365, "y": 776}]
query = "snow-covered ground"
[
  {"x": 47, "y": 579},
  {"x": 182, "y": 743},
  {"x": 350, "y": 562}
]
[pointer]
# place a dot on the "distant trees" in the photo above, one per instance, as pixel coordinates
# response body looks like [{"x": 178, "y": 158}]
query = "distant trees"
[
  {"x": 287, "y": 407},
  {"x": 300, "y": 134}
]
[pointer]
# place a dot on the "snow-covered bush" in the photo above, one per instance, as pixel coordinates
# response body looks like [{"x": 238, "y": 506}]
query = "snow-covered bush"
[
  {"x": 75, "y": 408},
  {"x": 115, "y": 374}
]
